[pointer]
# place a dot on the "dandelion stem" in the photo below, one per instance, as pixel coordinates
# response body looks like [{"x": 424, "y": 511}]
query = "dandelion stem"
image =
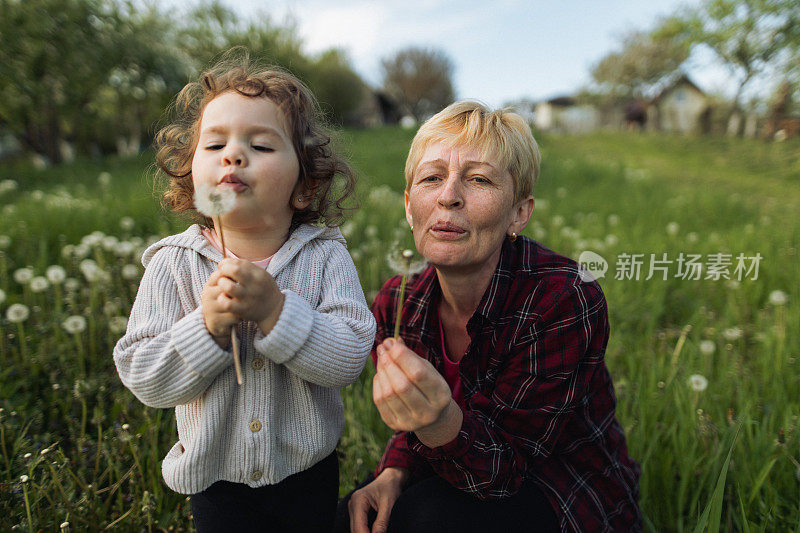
[
  {"x": 237, "y": 365},
  {"x": 27, "y": 508},
  {"x": 399, "y": 307}
]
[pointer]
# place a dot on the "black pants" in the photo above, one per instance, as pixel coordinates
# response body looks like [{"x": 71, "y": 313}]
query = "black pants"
[
  {"x": 433, "y": 505},
  {"x": 302, "y": 503}
]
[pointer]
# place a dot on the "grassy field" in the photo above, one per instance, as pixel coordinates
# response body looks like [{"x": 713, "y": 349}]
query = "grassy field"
[{"x": 706, "y": 370}]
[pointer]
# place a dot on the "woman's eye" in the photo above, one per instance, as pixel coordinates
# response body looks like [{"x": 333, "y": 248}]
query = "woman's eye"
[
  {"x": 480, "y": 179},
  {"x": 429, "y": 178}
]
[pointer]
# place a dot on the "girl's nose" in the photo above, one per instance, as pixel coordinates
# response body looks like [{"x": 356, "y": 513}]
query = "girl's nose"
[{"x": 233, "y": 156}]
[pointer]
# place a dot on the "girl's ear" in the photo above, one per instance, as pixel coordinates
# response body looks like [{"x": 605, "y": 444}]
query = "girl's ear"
[{"x": 304, "y": 193}]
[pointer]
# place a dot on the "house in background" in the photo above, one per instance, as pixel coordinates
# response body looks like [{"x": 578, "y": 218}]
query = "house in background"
[
  {"x": 681, "y": 107},
  {"x": 565, "y": 115}
]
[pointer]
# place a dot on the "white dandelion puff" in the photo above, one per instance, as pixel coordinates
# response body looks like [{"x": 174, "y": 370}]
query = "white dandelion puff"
[
  {"x": 90, "y": 270},
  {"x": 5, "y": 242},
  {"x": 23, "y": 276},
  {"x": 707, "y": 347},
  {"x": 104, "y": 179},
  {"x": 39, "y": 284},
  {"x": 778, "y": 297},
  {"x": 557, "y": 220},
  {"x": 74, "y": 324},
  {"x": 17, "y": 313},
  {"x": 611, "y": 239},
  {"x": 613, "y": 220},
  {"x": 698, "y": 383},
  {"x": 214, "y": 201},
  {"x": 403, "y": 263},
  {"x": 130, "y": 272},
  {"x": 56, "y": 274},
  {"x": 2, "y": 296},
  {"x": 109, "y": 243},
  {"x": 673, "y": 228},
  {"x": 125, "y": 248},
  {"x": 732, "y": 334},
  {"x": 692, "y": 237},
  {"x": 72, "y": 284},
  {"x": 126, "y": 223},
  {"x": 23, "y": 478}
]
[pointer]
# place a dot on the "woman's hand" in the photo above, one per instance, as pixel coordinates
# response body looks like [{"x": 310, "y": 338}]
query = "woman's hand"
[
  {"x": 411, "y": 395},
  {"x": 251, "y": 292},
  {"x": 380, "y": 495}
]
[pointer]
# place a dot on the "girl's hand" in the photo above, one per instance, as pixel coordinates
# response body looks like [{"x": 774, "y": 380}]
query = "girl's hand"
[
  {"x": 217, "y": 311},
  {"x": 411, "y": 395},
  {"x": 252, "y": 292}
]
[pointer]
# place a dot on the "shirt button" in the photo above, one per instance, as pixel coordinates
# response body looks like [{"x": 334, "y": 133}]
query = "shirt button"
[
  {"x": 257, "y": 364},
  {"x": 255, "y": 425},
  {"x": 256, "y": 475}
]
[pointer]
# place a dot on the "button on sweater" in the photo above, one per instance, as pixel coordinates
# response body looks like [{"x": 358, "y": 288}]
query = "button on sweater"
[{"x": 320, "y": 343}]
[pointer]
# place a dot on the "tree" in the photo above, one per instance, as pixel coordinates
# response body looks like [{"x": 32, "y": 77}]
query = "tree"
[
  {"x": 420, "y": 80},
  {"x": 749, "y": 36},
  {"x": 641, "y": 64}
]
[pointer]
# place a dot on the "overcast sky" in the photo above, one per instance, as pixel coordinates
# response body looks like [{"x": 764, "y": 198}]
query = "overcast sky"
[{"x": 502, "y": 49}]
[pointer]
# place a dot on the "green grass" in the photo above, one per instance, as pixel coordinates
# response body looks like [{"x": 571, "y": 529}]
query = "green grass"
[{"x": 611, "y": 193}]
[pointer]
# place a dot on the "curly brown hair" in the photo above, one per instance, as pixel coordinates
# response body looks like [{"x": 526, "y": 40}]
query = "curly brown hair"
[{"x": 321, "y": 170}]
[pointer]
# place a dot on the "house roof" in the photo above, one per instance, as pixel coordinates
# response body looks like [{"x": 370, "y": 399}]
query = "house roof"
[{"x": 683, "y": 79}]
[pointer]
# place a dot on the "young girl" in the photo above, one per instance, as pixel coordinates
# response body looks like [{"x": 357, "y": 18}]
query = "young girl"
[{"x": 259, "y": 456}]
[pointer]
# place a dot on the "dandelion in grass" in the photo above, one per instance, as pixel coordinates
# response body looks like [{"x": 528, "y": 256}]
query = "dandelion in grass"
[
  {"x": 214, "y": 202},
  {"x": 118, "y": 324},
  {"x": 104, "y": 179},
  {"x": 698, "y": 383},
  {"x": 691, "y": 237},
  {"x": 126, "y": 223},
  {"x": 56, "y": 274},
  {"x": 2, "y": 296},
  {"x": 23, "y": 276},
  {"x": 74, "y": 324},
  {"x": 130, "y": 272},
  {"x": 732, "y": 334},
  {"x": 17, "y": 313},
  {"x": 778, "y": 298},
  {"x": 124, "y": 249},
  {"x": 707, "y": 347},
  {"x": 5, "y": 242},
  {"x": 673, "y": 228},
  {"x": 613, "y": 220},
  {"x": 39, "y": 284},
  {"x": 404, "y": 264},
  {"x": 72, "y": 285}
]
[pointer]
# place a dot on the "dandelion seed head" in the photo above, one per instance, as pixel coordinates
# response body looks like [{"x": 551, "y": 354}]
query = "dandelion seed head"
[
  {"x": 56, "y": 274},
  {"x": 691, "y": 237},
  {"x": 130, "y": 272},
  {"x": 39, "y": 284},
  {"x": 109, "y": 243},
  {"x": 118, "y": 324},
  {"x": 778, "y": 297},
  {"x": 557, "y": 220},
  {"x": 74, "y": 324},
  {"x": 2, "y": 296},
  {"x": 707, "y": 347},
  {"x": 5, "y": 242},
  {"x": 104, "y": 179},
  {"x": 17, "y": 313},
  {"x": 72, "y": 284},
  {"x": 214, "y": 201},
  {"x": 673, "y": 228},
  {"x": 698, "y": 383},
  {"x": 126, "y": 223},
  {"x": 732, "y": 334},
  {"x": 613, "y": 220},
  {"x": 23, "y": 478},
  {"x": 403, "y": 262},
  {"x": 124, "y": 249},
  {"x": 23, "y": 276}
]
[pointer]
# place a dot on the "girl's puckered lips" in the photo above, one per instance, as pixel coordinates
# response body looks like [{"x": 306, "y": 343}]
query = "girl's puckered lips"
[{"x": 233, "y": 181}]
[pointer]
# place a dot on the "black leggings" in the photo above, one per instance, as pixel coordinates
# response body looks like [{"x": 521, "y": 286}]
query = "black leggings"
[
  {"x": 302, "y": 503},
  {"x": 433, "y": 505}
]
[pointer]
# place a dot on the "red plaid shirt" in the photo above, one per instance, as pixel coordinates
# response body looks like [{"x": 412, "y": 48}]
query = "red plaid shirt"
[{"x": 538, "y": 398}]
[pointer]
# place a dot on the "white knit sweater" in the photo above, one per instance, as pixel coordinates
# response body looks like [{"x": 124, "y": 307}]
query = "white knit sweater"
[{"x": 288, "y": 414}]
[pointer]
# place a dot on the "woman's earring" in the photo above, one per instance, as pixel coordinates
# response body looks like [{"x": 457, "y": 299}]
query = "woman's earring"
[{"x": 512, "y": 237}]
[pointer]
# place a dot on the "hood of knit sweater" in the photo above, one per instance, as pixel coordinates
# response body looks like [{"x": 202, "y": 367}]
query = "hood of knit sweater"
[{"x": 193, "y": 239}]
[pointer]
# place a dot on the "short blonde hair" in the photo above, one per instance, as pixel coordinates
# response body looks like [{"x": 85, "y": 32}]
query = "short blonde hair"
[{"x": 500, "y": 135}]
